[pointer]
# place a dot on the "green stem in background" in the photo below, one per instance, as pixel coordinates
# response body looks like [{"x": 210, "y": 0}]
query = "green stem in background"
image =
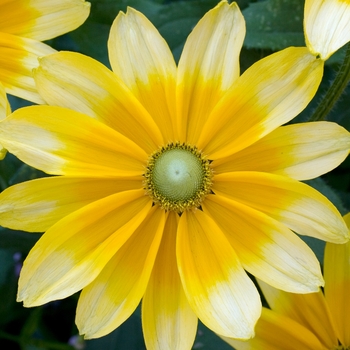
[{"x": 335, "y": 90}]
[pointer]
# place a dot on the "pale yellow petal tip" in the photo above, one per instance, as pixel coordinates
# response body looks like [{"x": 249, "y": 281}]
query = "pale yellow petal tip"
[
  {"x": 30, "y": 296},
  {"x": 27, "y": 302},
  {"x": 326, "y": 26},
  {"x": 88, "y": 332},
  {"x": 83, "y": 13},
  {"x": 319, "y": 285},
  {"x": 343, "y": 233},
  {"x": 222, "y": 3},
  {"x": 314, "y": 283},
  {"x": 245, "y": 333}
]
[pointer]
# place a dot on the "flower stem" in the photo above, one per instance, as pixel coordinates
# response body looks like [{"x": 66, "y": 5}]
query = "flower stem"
[{"x": 335, "y": 90}]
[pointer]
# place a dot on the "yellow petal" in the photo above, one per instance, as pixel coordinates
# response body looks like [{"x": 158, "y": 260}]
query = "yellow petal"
[
  {"x": 296, "y": 205},
  {"x": 217, "y": 288},
  {"x": 81, "y": 83},
  {"x": 142, "y": 59},
  {"x": 18, "y": 57},
  {"x": 5, "y": 109},
  {"x": 114, "y": 295},
  {"x": 326, "y": 26},
  {"x": 208, "y": 66},
  {"x": 3, "y": 152},
  {"x": 300, "y": 151},
  {"x": 64, "y": 142},
  {"x": 265, "y": 247},
  {"x": 268, "y": 94},
  {"x": 277, "y": 332},
  {"x": 42, "y": 19},
  {"x": 168, "y": 322},
  {"x": 309, "y": 310},
  {"x": 337, "y": 288},
  {"x": 36, "y": 205},
  {"x": 74, "y": 251}
]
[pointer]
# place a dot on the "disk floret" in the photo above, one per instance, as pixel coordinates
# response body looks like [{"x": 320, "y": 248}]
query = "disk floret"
[{"x": 178, "y": 177}]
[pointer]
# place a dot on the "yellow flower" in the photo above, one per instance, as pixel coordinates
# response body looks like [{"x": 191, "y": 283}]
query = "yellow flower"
[
  {"x": 173, "y": 180},
  {"x": 23, "y": 24},
  {"x": 317, "y": 321},
  {"x": 326, "y": 26}
]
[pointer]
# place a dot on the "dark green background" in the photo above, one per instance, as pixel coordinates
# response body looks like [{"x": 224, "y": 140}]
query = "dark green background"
[{"x": 271, "y": 25}]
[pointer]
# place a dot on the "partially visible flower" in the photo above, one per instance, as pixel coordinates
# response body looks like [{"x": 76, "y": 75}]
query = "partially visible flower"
[
  {"x": 317, "y": 321},
  {"x": 23, "y": 25},
  {"x": 326, "y": 26},
  {"x": 173, "y": 180}
]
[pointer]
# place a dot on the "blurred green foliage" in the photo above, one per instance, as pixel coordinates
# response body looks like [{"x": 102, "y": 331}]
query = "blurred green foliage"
[{"x": 271, "y": 25}]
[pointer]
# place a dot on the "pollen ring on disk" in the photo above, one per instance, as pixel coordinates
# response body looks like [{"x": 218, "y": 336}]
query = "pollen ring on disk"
[{"x": 178, "y": 177}]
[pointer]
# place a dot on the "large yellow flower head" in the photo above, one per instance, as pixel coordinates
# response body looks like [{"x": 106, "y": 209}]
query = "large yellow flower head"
[
  {"x": 173, "y": 181},
  {"x": 316, "y": 321},
  {"x": 23, "y": 25}
]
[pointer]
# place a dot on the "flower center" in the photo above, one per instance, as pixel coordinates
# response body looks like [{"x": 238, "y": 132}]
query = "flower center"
[{"x": 178, "y": 177}]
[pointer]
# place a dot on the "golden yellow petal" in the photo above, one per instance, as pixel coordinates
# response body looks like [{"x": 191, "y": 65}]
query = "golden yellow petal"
[
  {"x": 300, "y": 151},
  {"x": 297, "y": 205},
  {"x": 337, "y": 287},
  {"x": 219, "y": 291},
  {"x": 42, "y": 19},
  {"x": 73, "y": 252},
  {"x": 64, "y": 142},
  {"x": 277, "y": 332},
  {"x": 114, "y": 295},
  {"x": 18, "y": 57},
  {"x": 326, "y": 26},
  {"x": 5, "y": 108},
  {"x": 141, "y": 58},
  {"x": 81, "y": 83},
  {"x": 265, "y": 247},
  {"x": 168, "y": 321},
  {"x": 268, "y": 94},
  {"x": 36, "y": 205},
  {"x": 309, "y": 310},
  {"x": 208, "y": 66}
]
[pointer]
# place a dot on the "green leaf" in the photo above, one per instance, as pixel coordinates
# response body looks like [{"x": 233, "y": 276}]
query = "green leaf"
[
  {"x": 274, "y": 24},
  {"x": 17, "y": 241},
  {"x": 25, "y": 173},
  {"x": 8, "y": 168}
]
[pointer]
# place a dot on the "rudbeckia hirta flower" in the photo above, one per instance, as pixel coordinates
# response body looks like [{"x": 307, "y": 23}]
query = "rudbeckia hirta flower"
[
  {"x": 23, "y": 25},
  {"x": 326, "y": 26},
  {"x": 172, "y": 181},
  {"x": 316, "y": 321}
]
